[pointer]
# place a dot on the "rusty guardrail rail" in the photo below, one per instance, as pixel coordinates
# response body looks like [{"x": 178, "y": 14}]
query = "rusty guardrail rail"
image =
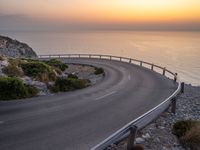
[{"x": 131, "y": 128}]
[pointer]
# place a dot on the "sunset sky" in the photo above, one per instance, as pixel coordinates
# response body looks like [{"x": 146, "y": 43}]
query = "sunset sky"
[{"x": 100, "y": 14}]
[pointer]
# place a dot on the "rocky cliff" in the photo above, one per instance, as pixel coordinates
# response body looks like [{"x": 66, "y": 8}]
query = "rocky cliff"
[{"x": 14, "y": 48}]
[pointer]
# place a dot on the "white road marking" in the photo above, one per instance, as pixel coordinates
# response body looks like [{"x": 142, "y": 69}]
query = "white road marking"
[
  {"x": 105, "y": 95},
  {"x": 1, "y": 122}
]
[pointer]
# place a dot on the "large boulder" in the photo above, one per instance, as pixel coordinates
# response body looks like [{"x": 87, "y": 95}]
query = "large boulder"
[{"x": 14, "y": 48}]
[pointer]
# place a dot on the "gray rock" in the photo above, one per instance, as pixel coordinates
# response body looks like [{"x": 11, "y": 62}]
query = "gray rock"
[
  {"x": 161, "y": 127},
  {"x": 3, "y": 64},
  {"x": 139, "y": 140},
  {"x": 41, "y": 86},
  {"x": 146, "y": 136},
  {"x": 14, "y": 48}
]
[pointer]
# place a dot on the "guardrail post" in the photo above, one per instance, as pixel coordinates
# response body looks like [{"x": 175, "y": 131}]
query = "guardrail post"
[
  {"x": 132, "y": 136},
  {"x": 175, "y": 77},
  {"x": 140, "y": 63},
  {"x": 100, "y": 56},
  {"x": 164, "y": 69},
  {"x": 173, "y": 108},
  {"x": 110, "y": 57},
  {"x": 120, "y": 59},
  {"x": 182, "y": 87},
  {"x": 130, "y": 61},
  {"x": 152, "y": 67}
]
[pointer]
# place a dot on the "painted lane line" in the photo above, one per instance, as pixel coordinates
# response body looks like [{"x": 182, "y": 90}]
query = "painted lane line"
[{"x": 106, "y": 95}]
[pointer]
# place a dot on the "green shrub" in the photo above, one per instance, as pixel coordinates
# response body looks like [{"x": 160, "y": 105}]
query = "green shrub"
[
  {"x": 98, "y": 71},
  {"x": 13, "y": 88},
  {"x": 12, "y": 70},
  {"x": 34, "y": 68},
  {"x": 72, "y": 76},
  {"x": 79, "y": 83},
  {"x": 39, "y": 71},
  {"x": 68, "y": 84},
  {"x": 57, "y": 64},
  {"x": 181, "y": 127},
  {"x": 32, "y": 91}
]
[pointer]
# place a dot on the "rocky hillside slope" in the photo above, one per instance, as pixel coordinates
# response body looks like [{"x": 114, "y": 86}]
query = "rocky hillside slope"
[{"x": 14, "y": 48}]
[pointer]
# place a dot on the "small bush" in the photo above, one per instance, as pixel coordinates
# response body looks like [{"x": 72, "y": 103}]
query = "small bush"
[
  {"x": 79, "y": 83},
  {"x": 98, "y": 71},
  {"x": 72, "y": 76},
  {"x": 12, "y": 70},
  {"x": 39, "y": 71},
  {"x": 68, "y": 84},
  {"x": 192, "y": 137},
  {"x": 1, "y": 58},
  {"x": 138, "y": 147},
  {"x": 13, "y": 88},
  {"x": 57, "y": 64},
  {"x": 34, "y": 68},
  {"x": 181, "y": 127},
  {"x": 32, "y": 91}
]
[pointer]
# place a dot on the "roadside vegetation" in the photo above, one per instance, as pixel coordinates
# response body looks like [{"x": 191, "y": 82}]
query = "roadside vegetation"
[
  {"x": 13, "y": 88},
  {"x": 188, "y": 132},
  {"x": 1, "y": 58},
  {"x": 72, "y": 76},
  {"x": 39, "y": 71},
  {"x": 64, "y": 84},
  {"x": 23, "y": 78},
  {"x": 98, "y": 71},
  {"x": 56, "y": 64},
  {"x": 13, "y": 70}
]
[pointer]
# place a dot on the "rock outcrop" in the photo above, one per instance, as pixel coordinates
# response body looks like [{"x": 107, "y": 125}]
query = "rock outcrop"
[{"x": 14, "y": 48}]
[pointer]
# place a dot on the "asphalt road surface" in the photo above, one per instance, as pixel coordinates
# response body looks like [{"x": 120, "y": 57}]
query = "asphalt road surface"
[{"x": 81, "y": 119}]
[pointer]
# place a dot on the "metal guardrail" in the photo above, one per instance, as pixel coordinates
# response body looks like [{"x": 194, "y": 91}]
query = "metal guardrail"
[{"x": 143, "y": 120}]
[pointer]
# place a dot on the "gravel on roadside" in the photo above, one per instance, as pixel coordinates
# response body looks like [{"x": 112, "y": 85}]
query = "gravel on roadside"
[{"x": 158, "y": 135}]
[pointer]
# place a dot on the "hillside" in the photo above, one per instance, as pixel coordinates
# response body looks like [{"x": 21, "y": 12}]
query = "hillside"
[{"x": 14, "y": 48}]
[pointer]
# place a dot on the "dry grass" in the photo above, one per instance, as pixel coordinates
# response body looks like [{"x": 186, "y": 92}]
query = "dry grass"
[
  {"x": 13, "y": 70},
  {"x": 46, "y": 77},
  {"x": 1, "y": 58},
  {"x": 192, "y": 137},
  {"x": 15, "y": 61}
]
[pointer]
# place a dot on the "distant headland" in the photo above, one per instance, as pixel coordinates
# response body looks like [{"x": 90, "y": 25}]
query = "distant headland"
[{"x": 14, "y": 48}]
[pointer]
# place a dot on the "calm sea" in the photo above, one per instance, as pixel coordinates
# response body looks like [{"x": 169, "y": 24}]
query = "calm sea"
[{"x": 178, "y": 51}]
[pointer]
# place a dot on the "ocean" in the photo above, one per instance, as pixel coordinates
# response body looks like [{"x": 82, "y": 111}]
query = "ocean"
[{"x": 177, "y": 51}]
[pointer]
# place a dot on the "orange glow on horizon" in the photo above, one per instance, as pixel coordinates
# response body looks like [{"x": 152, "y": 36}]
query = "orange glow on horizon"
[{"x": 112, "y": 11}]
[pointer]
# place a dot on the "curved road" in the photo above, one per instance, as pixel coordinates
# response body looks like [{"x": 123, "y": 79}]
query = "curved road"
[{"x": 81, "y": 119}]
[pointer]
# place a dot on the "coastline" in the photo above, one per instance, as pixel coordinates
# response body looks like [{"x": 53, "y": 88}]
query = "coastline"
[{"x": 158, "y": 135}]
